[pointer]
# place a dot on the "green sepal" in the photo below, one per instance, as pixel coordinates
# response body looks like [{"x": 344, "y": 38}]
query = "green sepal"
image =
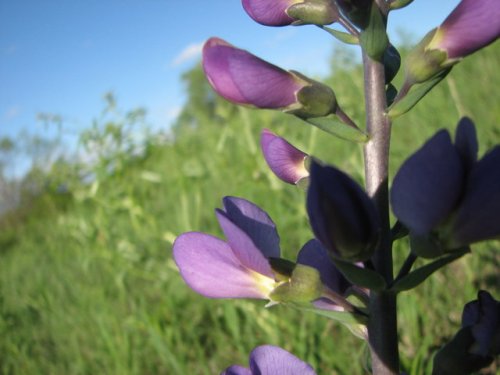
[
  {"x": 416, "y": 277},
  {"x": 399, "y": 231},
  {"x": 374, "y": 38},
  {"x": 282, "y": 268},
  {"x": 342, "y": 36},
  {"x": 362, "y": 277},
  {"x": 340, "y": 316},
  {"x": 398, "y": 4},
  {"x": 313, "y": 12},
  {"x": 332, "y": 125},
  {"x": 417, "y": 92},
  {"x": 303, "y": 286}
]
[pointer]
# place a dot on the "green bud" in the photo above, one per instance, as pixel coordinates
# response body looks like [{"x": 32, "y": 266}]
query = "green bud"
[
  {"x": 314, "y": 100},
  {"x": 422, "y": 63},
  {"x": 314, "y": 12},
  {"x": 304, "y": 286},
  {"x": 374, "y": 38}
]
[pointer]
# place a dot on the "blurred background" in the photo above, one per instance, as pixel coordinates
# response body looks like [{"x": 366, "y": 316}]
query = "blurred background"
[{"x": 112, "y": 143}]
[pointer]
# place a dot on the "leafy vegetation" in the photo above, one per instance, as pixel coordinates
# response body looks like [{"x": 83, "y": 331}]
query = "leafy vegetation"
[{"x": 87, "y": 283}]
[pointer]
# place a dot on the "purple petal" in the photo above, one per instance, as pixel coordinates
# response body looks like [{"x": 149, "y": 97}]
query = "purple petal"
[
  {"x": 428, "y": 185},
  {"x": 256, "y": 223},
  {"x": 243, "y": 247},
  {"x": 483, "y": 315},
  {"x": 272, "y": 360},
  {"x": 341, "y": 214},
  {"x": 478, "y": 217},
  {"x": 236, "y": 370},
  {"x": 243, "y": 78},
  {"x": 269, "y": 13},
  {"x": 286, "y": 161},
  {"x": 326, "y": 304},
  {"x": 209, "y": 267},
  {"x": 466, "y": 142},
  {"x": 472, "y": 25},
  {"x": 313, "y": 254}
]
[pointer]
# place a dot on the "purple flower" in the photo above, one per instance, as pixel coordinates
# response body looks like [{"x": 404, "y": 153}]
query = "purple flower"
[
  {"x": 271, "y": 360},
  {"x": 287, "y": 12},
  {"x": 237, "y": 268},
  {"x": 445, "y": 196},
  {"x": 341, "y": 214},
  {"x": 286, "y": 161},
  {"x": 483, "y": 316},
  {"x": 472, "y": 25},
  {"x": 478, "y": 341},
  {"x": 243, "y": 78}
]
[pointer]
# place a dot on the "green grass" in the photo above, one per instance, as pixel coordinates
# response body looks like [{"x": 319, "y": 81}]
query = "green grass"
[{"x": 88, "y": 285}]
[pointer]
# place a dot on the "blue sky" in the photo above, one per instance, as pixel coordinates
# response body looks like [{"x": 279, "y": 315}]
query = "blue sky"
[{"x": 62, "y": 56}]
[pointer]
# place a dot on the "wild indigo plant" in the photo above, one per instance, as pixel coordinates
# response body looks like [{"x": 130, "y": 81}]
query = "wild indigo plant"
[{"x": 443, "y": 197}]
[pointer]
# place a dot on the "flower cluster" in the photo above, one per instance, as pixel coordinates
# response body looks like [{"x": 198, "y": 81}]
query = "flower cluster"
[{"x": 443, "y": 196}]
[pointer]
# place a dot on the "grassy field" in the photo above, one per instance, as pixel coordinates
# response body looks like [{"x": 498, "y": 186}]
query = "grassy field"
[{"x": 88, "y": 285}]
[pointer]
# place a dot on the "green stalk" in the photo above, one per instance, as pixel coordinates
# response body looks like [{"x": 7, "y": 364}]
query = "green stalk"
[{"x": 382, "y": 323}]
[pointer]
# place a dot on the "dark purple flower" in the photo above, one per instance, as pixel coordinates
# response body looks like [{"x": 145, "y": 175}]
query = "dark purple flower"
[
  {"x": 243, "y": 78},
  {"x": 483, "y": 316},
  {"x": 238, "y": 268},
  {"x": 271, "y": 360},
  {"x": 478, "y": 215},
  {"x": 445, "y": 196},
  {"x": 478, "y": 341},
  {"x": 472, "y": 25},
  {"x": 286, "y": 161},
  {"x": 341, "y": 214},
  {"x": 428, "y": 185},
  {"x": 287, "y": 12}
]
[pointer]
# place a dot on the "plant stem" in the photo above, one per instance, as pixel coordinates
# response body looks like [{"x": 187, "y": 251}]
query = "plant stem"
[{"x": 382, "y": 323}]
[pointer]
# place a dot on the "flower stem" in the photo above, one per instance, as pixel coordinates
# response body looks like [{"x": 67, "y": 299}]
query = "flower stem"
[{"x": 382, "y": 323}]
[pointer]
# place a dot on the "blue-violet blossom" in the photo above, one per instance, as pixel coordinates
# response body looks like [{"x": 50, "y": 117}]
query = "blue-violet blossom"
[
  {"x": 271, "y": 360},
  {"x": 445, "y": 196}
]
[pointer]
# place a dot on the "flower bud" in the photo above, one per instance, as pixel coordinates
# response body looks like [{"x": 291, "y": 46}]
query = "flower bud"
[
  {"x": 341, "y": 214},
  {"x": 243, "y": 78},
  {"x": 287, "y": 12},
  {"x": 286, "y": 161},
  {"x": 472, "y": 25}
]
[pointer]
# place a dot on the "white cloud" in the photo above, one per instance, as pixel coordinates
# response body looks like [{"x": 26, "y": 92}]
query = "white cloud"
[
  {"x": 190, "y": 52},
  {"x": 12, "y": 113}
]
